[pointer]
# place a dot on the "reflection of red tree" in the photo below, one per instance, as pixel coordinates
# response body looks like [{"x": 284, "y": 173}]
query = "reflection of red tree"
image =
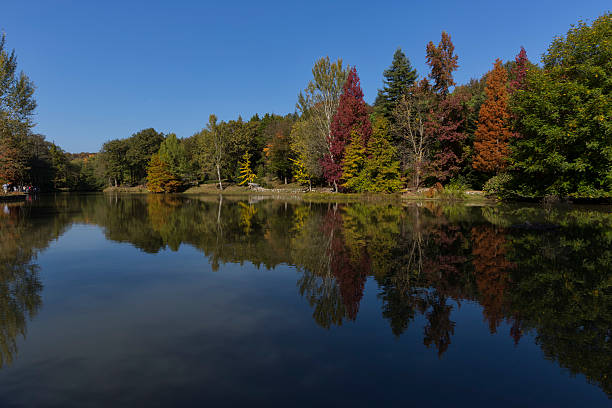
[
  {"x": 491, "y": 272},
  {"x": 349, "y": 268},
  {"x": 444, "y": 265}
]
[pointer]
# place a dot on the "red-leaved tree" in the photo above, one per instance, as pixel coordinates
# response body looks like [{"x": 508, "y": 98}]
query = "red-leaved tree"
[
  {"x": 447, "y": 126},
  {"x": 449, "y": 114},
  {"x": 519, "y": 73},
  {"x": 352, "y": 114}
]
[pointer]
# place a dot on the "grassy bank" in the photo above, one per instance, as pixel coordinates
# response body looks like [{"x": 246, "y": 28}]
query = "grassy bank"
[{"x": 318, "y": 194}]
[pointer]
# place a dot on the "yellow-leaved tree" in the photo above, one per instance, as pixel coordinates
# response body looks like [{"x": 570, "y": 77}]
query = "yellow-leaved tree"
[
  {"x": 301, "y": 173},
  {"x": 246, "y": 174}
]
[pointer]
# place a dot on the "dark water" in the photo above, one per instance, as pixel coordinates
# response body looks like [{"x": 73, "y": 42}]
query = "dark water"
[{"x": 171, "y": 301}]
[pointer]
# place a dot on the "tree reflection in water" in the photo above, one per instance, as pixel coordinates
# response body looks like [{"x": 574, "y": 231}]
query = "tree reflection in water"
[{"x": 545, "y": 271}]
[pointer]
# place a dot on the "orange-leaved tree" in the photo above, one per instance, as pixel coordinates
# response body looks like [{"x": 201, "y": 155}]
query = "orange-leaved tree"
[{"x": 493, "y": 132}]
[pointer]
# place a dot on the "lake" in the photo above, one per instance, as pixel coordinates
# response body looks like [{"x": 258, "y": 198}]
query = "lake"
[{"x": 208, "y": 301}]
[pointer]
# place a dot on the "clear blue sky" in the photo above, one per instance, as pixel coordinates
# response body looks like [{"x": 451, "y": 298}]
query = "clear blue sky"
[{"x": 106, "y": 69}]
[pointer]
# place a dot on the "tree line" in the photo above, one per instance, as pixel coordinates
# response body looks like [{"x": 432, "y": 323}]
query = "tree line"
[{"x": 520, "y": 131}]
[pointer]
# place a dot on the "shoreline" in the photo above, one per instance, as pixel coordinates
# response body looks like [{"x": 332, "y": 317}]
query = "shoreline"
[
  {"x": 322, "y": 194},
  {"x": 12, "y": 197}
]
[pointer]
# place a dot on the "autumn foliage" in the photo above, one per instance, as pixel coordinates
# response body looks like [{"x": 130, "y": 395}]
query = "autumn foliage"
[
  {"x": 10, "y": 164},
  {"x": 159, "y": 178},
  {"x": 443, "y": 62},
  {"x": 493, "y": 132},
  {"x": 352, "y": 115},
  {"x": 519, "y": 72}
]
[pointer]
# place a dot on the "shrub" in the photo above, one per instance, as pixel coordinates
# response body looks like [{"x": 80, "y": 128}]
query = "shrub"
[{"x": 497, "y": 186}]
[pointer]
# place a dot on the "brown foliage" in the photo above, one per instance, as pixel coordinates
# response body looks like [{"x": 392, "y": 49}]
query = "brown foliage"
[
  {"x": 493, "y": 132},
  {"x": 491, "y": 271}
]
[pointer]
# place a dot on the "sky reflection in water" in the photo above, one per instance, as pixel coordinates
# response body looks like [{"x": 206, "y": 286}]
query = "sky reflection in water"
[{"x": 158, "y": 301}]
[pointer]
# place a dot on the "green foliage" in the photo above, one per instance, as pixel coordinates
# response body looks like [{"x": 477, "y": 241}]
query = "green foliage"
[
  {"x": 306, "y": 145},
  {"x": 375, "y": 168},
  {"x": 113, "y": 155},
  {"x": 564, "y": 118},
  {"x": 497, "y": 186},
  {"x": 455, "y": 190},
  {"x": 278, "y": 152},
  {"x": 172, "y": 152},
  {"x": 398, "y": 78},
  {"x": 382, "y": 166},
  {"x": 140, "y": 147},
  {"x": 354, "y": 170},
  {"x": 60, "y": 166}
]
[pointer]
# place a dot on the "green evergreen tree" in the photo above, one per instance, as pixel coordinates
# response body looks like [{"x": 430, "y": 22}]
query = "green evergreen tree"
[
  {"x": 382, "y": 168},
  {"x": 398, "y": 79}
]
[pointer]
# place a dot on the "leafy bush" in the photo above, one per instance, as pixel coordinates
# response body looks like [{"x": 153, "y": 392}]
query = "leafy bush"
[
  {"x": 497, "y": 186},
  {"x": 455, "y": 190}
]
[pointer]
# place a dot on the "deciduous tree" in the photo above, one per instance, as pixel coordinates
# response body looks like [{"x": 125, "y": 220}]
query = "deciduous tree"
[
  {"x": 519, "y": 72},
  {"x": 564, "y": 118},
  {"x": 352, "y": 115},
  {"x": 213, "y": 148},
  {"x": 10, "y": 164},
  {"x": 159, "y": 177},
  {"x": 443, "y": 62},
  {"x": 354, "y": 171},
  {"x": 493, "y": 133},
  {"x": 246, "y": 174},
  {"x": 317, "y": 106},
  {"x": 411, "y": 125}
]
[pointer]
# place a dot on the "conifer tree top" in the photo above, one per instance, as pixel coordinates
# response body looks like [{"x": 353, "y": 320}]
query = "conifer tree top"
[{"x": 397, "y": 80}]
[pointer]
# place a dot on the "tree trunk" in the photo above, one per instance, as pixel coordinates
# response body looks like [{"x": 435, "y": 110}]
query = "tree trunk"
[
  {"x": 335, "y": 186},
  {"x": 219, "y": 176}
]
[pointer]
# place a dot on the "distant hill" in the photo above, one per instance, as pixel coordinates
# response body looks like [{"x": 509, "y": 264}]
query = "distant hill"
[{"x": 81, "y": 156}]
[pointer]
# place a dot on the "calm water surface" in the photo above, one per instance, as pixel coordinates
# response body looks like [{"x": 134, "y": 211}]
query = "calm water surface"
[{"x": 174, "y": 301}]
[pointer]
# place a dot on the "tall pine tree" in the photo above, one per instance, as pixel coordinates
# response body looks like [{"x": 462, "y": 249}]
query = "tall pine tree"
[
  {"x": 352, "y": 115},
  {"x": 397, "y": 80}
]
